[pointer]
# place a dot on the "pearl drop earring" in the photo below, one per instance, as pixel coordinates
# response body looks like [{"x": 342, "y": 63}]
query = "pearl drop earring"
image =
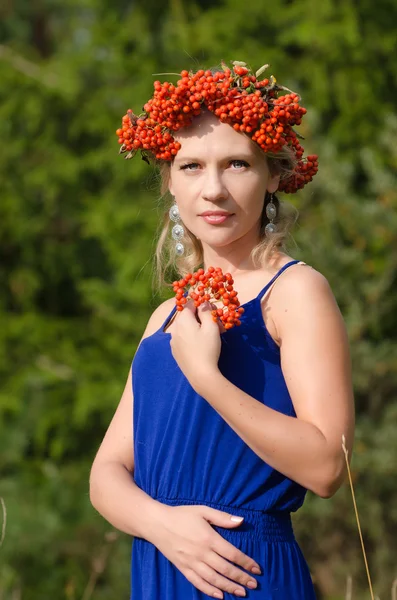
[
  {"x": 177, "y": 230},
  {"x": 271, "y": 213}
]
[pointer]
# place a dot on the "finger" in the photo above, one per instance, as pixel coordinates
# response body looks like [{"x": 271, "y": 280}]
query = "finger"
[
  {"x": 188, "y": 314},
  {"x": 204, "y": 312},
  {"x": 218, "y": 321},
  {"x": 221, "y": 326},
  {"x": 190, "y": 305},
  {"x": 201, "y": 584},
  {"x": 217, "y": 580},
  {"x": 230, "y": 571},
  {"x": 219, "y": 517},
  {"x": 205, "y": 307},
  {"x": 234, "y": 555}
]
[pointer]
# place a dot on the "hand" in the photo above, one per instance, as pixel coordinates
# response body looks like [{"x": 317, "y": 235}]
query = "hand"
[
  {"x": 196, "y": 345},
  {"x": 200, "y": 553}
]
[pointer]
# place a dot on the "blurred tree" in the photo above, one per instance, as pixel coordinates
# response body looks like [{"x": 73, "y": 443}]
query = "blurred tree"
[{"x": 76, "y": 240}]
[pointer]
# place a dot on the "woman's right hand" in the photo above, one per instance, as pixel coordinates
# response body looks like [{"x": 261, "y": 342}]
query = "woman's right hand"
[{"x": 200, "y": 553}]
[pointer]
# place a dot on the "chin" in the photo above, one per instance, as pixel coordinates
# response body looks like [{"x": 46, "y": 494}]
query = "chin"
[{"x": 218, "y": 242}]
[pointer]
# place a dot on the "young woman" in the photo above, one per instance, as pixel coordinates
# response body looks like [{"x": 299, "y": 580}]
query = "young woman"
[{"x": 230, "y": 426}]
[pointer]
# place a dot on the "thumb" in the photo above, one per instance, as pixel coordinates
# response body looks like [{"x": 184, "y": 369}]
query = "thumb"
[
  {"x": 204, "y": 313},
  {"x": 190, "y": 304},
  {"x": 220, "y": 518}
]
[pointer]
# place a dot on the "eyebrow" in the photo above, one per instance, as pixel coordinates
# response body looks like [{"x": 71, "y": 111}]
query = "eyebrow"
[{"x": 234, "y": 156}]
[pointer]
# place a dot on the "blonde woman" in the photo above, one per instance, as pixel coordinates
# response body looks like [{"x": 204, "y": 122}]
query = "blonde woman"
[{"x": 220, "y": 432}]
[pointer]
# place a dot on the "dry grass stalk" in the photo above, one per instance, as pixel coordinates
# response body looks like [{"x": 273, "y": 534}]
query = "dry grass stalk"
[
  {"x": 99, "y": 564},
  {"x": 356, "y": 513},
  {"x": 349, "y": 588},
  {"x": 3, "y": 528},
  {"x": 394, "y": 590}
]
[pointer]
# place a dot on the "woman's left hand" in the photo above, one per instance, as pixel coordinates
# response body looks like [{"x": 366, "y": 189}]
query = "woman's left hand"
[{"x": 196, "y": 346}]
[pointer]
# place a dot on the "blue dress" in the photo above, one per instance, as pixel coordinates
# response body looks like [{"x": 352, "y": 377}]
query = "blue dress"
[{"x": 186, "y": 454}]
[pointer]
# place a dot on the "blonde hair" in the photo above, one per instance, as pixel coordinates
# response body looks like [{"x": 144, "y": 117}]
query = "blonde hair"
[{"x": 169, "y": 266}]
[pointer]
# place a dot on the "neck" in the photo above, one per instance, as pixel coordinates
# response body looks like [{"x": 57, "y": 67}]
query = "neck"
[{"x": 233, "y": 258}]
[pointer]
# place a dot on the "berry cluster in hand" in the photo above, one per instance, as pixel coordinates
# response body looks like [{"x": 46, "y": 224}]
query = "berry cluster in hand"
[
  {"x": 206, "y": 286},
  {"x": 236, "y": 96}
]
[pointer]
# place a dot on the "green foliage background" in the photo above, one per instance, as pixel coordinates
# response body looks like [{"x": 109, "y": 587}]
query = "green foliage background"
[{"x": 77, "y": 228}]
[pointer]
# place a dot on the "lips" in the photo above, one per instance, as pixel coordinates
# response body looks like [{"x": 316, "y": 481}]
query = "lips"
[
  {"x": 215, "y": 217},
  {"x": 222, "y": 213}
]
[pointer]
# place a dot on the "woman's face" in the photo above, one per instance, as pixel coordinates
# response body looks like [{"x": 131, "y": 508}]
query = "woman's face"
[{"x": 219, "y": 170}]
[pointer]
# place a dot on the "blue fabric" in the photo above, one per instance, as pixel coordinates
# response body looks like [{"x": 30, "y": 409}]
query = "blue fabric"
[{"x": 185, "y": 453}]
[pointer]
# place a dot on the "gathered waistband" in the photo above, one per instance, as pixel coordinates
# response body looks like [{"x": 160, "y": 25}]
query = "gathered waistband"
[{"x": 258, "y": 525}]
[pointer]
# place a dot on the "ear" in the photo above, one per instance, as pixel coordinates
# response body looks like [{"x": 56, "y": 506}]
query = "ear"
[{"x": 273, "y": 183}]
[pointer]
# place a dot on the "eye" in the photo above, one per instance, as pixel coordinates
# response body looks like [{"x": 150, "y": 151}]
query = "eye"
[
  {"x": 239, "y": 164},
  {"x": 189, "y": 166}
]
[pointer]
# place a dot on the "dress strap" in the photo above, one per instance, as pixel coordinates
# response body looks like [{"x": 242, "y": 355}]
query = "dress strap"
[
  {"x": 168, "y": 319},
  {"x": 284, "y": 268}
]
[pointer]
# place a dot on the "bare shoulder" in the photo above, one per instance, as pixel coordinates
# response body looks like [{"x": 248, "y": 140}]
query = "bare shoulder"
[
  {"x": 303, "y": 294},
  {"x": 301, "y": 281},
  {"x": 158, "y": 317}
]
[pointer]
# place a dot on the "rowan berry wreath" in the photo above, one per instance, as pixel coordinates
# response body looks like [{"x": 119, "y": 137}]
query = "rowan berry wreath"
[{"x": 236, "y": 96}]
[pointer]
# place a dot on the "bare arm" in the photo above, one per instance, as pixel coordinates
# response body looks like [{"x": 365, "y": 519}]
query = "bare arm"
[
  {"x": 316, "y": 365},
  {"x": 113, "y": 492}
]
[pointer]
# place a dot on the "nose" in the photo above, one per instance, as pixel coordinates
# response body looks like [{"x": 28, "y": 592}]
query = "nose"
[{"x": 214, "y": 189}]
